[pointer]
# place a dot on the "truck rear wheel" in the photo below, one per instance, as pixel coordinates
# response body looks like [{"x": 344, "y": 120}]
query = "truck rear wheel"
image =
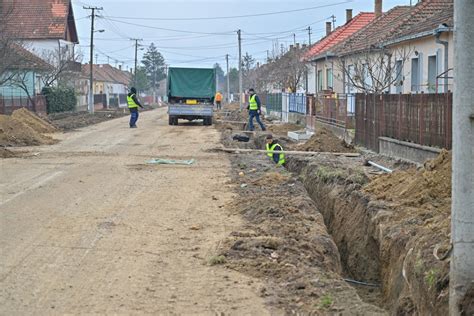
[{"x": 170, "y": 120}]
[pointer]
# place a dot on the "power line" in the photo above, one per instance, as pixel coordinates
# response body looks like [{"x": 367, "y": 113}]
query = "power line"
[
  {"x": 171, "y": 30},
  {"x": 234, "y": 16}
]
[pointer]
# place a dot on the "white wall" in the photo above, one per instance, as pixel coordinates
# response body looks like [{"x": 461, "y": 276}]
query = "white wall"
[
  {"x": 311, "y": 79},
  {"x": 43, "y": 48},
  {"x": 426, "y": 47}
]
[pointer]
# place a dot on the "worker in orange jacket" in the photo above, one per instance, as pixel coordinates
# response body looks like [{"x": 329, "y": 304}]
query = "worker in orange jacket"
[{"x": 218, "y": 100}]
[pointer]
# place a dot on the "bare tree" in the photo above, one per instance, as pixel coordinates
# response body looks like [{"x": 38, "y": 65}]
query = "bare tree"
[
  {"x": 63, "y": 67},
  {"x": 286, "y": 71},
  {"x": 374, "y": 71}
]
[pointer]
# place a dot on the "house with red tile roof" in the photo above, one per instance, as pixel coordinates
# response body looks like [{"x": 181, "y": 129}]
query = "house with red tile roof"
[
  {"x": 414, "y": 43},
  {"x": 43, "y": 26},
  {"x": 321, "y": 64}
]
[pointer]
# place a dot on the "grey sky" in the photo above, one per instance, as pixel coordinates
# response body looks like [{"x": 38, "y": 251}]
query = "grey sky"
[{"x": 190, "y": 48}]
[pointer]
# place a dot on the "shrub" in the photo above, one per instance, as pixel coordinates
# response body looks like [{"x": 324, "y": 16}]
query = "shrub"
[{"x": 59, "y": 99}]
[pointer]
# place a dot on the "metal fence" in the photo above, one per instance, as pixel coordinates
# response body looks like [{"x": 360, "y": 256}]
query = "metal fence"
[
  {"x": 10, "y": 104},
  {"x": 273, "y": 102},
  {"x": 425, "y": 119},
  {"x": 296, "y": 102}
]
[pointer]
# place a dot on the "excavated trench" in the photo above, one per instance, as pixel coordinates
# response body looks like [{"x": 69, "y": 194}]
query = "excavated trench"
[{"x": 391, "y": 257}]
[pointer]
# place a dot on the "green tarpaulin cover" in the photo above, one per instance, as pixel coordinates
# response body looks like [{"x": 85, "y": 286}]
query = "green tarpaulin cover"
[{"x": 191, "y": 82}]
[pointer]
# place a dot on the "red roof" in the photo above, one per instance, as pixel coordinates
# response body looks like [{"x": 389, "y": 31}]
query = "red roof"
[
  {"x": 107, "y": 73},
  {"x": 374, "y": 33},
  {"x": 427, "y": 15},
  {"x": 340, "y": 34},
  {"x": 40, "y": 19}
]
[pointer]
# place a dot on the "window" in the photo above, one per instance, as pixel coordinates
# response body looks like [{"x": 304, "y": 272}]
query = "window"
[
  {"x": 329, "y": 79},
  {"x": 432, "y": 73},
  {"x": 320, "y": 80},
  {"x": 399, "y": 76},
  {"x": 415, "y": 75}
]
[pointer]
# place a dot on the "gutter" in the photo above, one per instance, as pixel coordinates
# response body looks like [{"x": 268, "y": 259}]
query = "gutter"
[
  {"x": 418, "y": 35},
  {"x": 438, "y": 32}
]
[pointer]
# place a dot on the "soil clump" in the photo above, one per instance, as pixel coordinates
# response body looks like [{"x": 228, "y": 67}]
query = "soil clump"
[
  {"x": 325, "y": 141},
  {"x": 34, "y": 121},
  {"x": 5, "y": 153},
  {"x": 15, "y": 132}
]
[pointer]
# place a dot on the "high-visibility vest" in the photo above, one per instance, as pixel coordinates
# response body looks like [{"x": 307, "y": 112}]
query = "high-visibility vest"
[
  {"x": 218, "y": 97},
  {"x": 131, "y": 103},
  {"x": 253, "y": 102},
  {"x": 270, "y": 154}
]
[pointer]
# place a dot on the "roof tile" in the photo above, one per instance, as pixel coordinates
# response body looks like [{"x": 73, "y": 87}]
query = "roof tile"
[{"x": 340, "y": 34}]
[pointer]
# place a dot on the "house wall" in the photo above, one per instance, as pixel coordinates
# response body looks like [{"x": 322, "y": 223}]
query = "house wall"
[
  {"x": 43, "y": 48},
  {"x": 311, "y": 89},
  {"x": 426, "y": 47},
  {"x": 325, "y": 64},
  {"x": 8, "y": 91}
]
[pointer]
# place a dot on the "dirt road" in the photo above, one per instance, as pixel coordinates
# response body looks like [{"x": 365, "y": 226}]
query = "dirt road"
[{"x": 88, "y": 227}]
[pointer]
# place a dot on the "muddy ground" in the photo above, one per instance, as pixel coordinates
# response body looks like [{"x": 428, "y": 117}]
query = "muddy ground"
[
  {"x": 75, "y": 120},
  {"x": 285, "y": 242},
  {"x": 385, "y": 227}
]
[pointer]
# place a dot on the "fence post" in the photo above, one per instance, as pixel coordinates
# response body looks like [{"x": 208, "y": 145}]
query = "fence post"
[{"x": 421, "y": 122}]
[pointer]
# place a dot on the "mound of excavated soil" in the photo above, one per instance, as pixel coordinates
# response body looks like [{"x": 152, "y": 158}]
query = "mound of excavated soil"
[
  {"x": 271, "y": 178},
  {"x": 33, "y": 121},
  {"x": 5, "y": 153},
  {"x": 71, "y": 121},
  {"x": 283, "y": 129},
  {"x": 325, "y": 141},
  {"x": 17, "y": 133},
  {"x": 429, "y": 186}
]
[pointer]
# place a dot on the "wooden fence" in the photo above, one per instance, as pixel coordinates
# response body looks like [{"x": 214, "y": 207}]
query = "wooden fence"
[{"x": 424, "y": 119}]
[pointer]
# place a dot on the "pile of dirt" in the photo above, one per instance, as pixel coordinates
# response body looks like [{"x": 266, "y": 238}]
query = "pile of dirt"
[
  {"x": 283, "y": 129},
  {"x": 5, "y": 153},
  {"x": 325, "y": 141},
  {"x": 14, "y": 132},
  {"x": 73, "y": 120},
  {"x": 271, "y": 178},
  {"x": 33, "y": 121},
  {"x": 428, "y": 188}
]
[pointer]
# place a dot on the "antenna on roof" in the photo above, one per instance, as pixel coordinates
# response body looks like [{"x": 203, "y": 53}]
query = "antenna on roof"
[{"x": 333, "y": 17}]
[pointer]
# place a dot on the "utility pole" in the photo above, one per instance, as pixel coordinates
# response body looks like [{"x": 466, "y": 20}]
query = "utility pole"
[
  {"x": 461, "y": 280},
  {"x": 333, "y": 22},
  {"x": 241, "y": 104},
  {"x": 136, "y": 59},
  {"x": 91, "y": 60},
  {"x": 309, "y": 35},
  {"x": 217, "y": 78},
  {"x": 228, "y": 79},
  {"x": 294, "y": 39}
]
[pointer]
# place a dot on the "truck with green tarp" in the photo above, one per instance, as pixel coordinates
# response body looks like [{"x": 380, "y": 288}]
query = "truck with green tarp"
[{"x": 191, "y": 94}]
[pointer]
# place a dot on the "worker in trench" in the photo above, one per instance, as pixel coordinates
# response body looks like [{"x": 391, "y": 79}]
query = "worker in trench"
[
  {"x": 272, "y": 151},
  {"x": 255, "y": 110},
  {"x": 133, "y": 105}
]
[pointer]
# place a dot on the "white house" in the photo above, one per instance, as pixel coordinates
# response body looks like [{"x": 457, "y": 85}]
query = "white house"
[{"x": 44, "y": 27}]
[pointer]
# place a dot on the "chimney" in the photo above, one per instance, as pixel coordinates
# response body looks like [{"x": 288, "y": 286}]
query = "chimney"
[
  {"x": 378, "y": 8},
  {"x": 348, "y": 15},
  {"x": 291, "y": 47},
  {"x": 120, "y": 67},
  {"x": 297, "y": 45},
  {"x": 328, "y": 28}
]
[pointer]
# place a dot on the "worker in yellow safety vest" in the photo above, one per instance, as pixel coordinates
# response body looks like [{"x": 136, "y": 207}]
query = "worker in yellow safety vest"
[
  {"x": 218, "y": 100},
  {"x": 255, "y": 110},
  {"x": 272, "y": 151},
  {"x": 133, "y": 105}
]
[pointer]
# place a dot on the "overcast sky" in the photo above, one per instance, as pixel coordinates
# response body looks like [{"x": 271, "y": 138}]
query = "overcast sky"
[{"x": 203, "y": 42}]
